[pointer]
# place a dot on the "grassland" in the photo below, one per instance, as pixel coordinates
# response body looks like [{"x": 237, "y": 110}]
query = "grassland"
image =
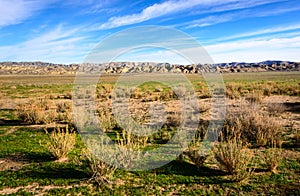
[{"x": 262, "y": 112}]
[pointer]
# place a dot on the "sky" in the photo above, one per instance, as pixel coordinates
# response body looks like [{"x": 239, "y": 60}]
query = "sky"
[{"x": 66, "y": 31}]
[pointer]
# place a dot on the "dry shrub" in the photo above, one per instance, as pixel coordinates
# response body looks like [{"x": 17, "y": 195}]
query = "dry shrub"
[
  {"x": 276, "y": 108},
  {"x": 233, "y": 157},
  {"x": 196, "y": 158},
  {"x": 194, "y": 153},
  {"x": 107, "y": 87},
  {"x": 255, "y": 97},
  {"x": 174, "y": 119},
  {"x": 267, "y": 89},
  {"x": 100, "y": 171},
  {"x": 203, "y": 91},
  {"x": 130, "y": 140},
  {"x": 61, "y": 142},
  {"x": 107, "y": 120},
  {"x": 101, "y": 159},
  {"x": 296, "y": 133},
  {"x": 129, "y": 148},
  {"x": 64, "y": 113},
  {"x": 233, "y": 91},
  {"x": 272, "y": 158},
  {"x": 68, "y": 95},
  {"x": 63, "y": 107},
  {"x": 36, "y": 112},
  {"x": 253, "y": 126},
  {"x": 2, "y": 101}
]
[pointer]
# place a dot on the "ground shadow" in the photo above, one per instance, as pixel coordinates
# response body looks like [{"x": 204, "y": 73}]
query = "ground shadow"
[
  {"x": 187, "y": 169},
  {"x": 291, "y": 144},
  {"x": 57, "y": 173},
  {"x": 39, "y": 157},
  {"x": 29, "y": 157},
  {"x": 5, "y": 122},
  {"x": 293, "y": 107}
]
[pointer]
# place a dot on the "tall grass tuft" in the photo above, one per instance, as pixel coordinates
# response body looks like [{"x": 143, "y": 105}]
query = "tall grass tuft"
[
  {"x": 101, "y": 172},
  {"x": 272, "y": 158},
  {"x": 61, "y": 142},
  {"x": 36, "y": 112},
  {"x": 251, "y": 125},
  {"x": 233, "y": 157}
]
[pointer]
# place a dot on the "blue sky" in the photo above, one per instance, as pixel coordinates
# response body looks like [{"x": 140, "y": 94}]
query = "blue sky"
[{"x": 230, "y": 30}]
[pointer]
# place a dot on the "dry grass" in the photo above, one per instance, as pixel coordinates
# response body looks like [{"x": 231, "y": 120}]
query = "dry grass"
[
  {"x": 195, "y": 156},
  {"x": 233, "y": 157},
  {"x": 272, "y": 158},
  {"x": 2, "y": 101},
  {"x": 276, "y": 108},
  {"x": 255, "y": 97},
  {"x": 101, "y": 172},
  {"x": 36, "y": 112},
  {"x": 61, "y": 143},
  {"x": 129, "y": 149},
  {"x": 248, "y": 122},
  {"x": 63, "y": 107},
  {"x": 102, "y": 159},
  {"x": 296, "y": 133},
  {"x": 107, "y": 120}
]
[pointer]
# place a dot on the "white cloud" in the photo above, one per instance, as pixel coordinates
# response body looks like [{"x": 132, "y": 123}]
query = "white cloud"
[
  {"x": 242, "y": 4},
  {"x": 60, "y": 45},
  {"x": 17, "y": 11},
  {"x": 228, "y": 17},
  {"x": 266, "y": 31},
  {"x": 252, "y": 50},
  {"x": 212, "y": 20},
  {"x": 174, "y": 6},
  {"x": 157, "y": 10}
]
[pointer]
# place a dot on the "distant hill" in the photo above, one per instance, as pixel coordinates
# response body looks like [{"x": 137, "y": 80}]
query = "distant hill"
[{"x": 42, "y": 68}]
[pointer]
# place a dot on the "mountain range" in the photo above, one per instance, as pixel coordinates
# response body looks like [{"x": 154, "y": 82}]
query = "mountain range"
[{"x": 43, "y": 68}]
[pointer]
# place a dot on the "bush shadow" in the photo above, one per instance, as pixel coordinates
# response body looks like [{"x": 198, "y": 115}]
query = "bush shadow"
[
  {"x": 29, "y": 157},
  {"x": 293, "y": 107},
  {"x": 57, "y": 173},
  {"x": 184, "y": 168}
]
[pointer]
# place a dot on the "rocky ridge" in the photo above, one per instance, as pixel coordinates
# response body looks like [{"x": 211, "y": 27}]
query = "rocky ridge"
[{"x": 41, "y": 68}]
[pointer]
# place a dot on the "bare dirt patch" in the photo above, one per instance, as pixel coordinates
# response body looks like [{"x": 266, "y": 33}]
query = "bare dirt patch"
[{"x": 290, "y": 114}]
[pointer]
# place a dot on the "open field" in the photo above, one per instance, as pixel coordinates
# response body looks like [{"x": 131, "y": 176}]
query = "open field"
[{"x": 257, "y": 151}]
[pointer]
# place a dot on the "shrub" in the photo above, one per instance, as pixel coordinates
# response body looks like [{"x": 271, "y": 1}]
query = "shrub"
[
  {"x": 63, "y": 107},
  {"x": 102, "y": 159},
  {"x": 276, "y": 108},
  {"x": 68, "y": 95},
  {"x": 195, "y": 157},
  {"x": 107, "y": 120},
  {"x": 255, "y": 97},
  {"x": 61, "y": 143},
  {"x": 267, "y": 89},
  {"x": 233, "y": 157},
  {"x": 2, "y": 100},
  {"x": 251, "y": 125},
  {"x": 30, "y": 114},
  {"x": 174, "y": 119},
  {"x": 297, "y": 139},
  {"x": 272, "y": 157},
  {"x": 36, "y": 112},
  {"x": 101, "y": 172},
  {"x": 196, "y": 151},
  {"x": 129, "y": 147},
  {"x": 233, "y": 91}
]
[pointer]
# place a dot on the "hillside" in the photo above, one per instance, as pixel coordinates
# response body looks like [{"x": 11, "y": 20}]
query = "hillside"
[{"x": 41, "y": 68}]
